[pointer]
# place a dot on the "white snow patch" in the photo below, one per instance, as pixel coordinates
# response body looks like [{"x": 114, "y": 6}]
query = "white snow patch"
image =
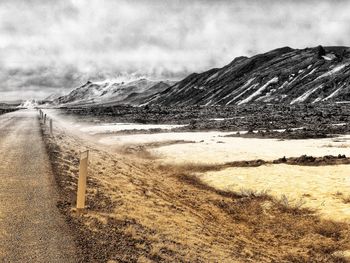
[
  {"x": 329, "y": 57},
  {"x": 259, "y": 91},
  {"x": 114, "y": 127},
  {"x": 317, "y": 100},
  {"x": 208, "y": 103},
  {"x": 342, "y": 102},
  {"x": 223, "y": 119},
  {"x": 283, "y": 85},
  {"x": 244, "y": 88},
  {"x": 311, "y": 72},
  {"x": 333, "y": 93},
  {"x": 240, "y": 88},
  {"x": 334, "y": 70},
  {"x": 326, "y": 58},
  {"x": 241, "y": 94},
  {"x": 28, "y": 104},
  {"x": 340, "y": 124},
  {"x": 303, "y": 97},
  {"x": 212, "y": 76}
]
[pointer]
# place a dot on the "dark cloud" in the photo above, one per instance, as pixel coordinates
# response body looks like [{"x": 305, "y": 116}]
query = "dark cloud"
[{"x": 48, "y": 44}]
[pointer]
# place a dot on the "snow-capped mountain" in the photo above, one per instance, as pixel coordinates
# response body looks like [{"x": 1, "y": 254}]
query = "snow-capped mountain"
[
  {"x": 113, "y": 92},
  {"x": 52, "y": 97},
  {"x": 29, "y": 104},
  {"x": 284, "y": 75}
]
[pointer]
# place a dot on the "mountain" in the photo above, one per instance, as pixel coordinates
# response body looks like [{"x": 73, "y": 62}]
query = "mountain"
[
  {"x": 52, "y": 97},
  {"x": 284, "y": 75},
  {"x": 29, "y": 104},
  {"x": 113, "y": 93}
]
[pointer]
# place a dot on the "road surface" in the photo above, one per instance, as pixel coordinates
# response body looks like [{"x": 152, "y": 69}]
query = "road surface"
[{"x": 31, "y": 227}]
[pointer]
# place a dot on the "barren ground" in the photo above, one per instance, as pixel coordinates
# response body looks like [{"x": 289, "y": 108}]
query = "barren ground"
[
  {"x": 31, "y": 227},
  {"x": 143, "y": 211}
]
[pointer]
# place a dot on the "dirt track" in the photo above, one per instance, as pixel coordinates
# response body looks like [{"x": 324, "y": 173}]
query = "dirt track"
[{"x": 31, "y": 227}]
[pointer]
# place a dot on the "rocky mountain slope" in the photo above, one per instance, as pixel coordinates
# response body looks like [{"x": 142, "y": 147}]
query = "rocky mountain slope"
[
  {"x": 110, "y": 92},
  {"x": 284, "y": 75}
]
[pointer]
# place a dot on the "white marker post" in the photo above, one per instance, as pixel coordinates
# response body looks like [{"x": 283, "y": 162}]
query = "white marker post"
[
  {"x": 83, "y": 166},
  {"x": 51, "y": 133}
]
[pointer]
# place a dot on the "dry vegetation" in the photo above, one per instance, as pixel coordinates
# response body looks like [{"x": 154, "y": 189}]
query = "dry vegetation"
[
  {"x": 344, "y": 198},
  {"x": 139, "y": 211}
]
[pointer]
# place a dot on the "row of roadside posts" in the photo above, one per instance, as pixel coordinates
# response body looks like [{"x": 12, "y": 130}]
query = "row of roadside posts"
[
  {"x": 83, "y": 165},
  {"x": 44, "y": 119}
]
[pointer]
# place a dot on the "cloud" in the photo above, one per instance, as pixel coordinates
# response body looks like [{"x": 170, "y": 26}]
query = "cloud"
[{"x": 49, "y": 45}]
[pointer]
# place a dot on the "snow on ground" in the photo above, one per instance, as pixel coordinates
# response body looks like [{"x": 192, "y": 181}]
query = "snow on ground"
[
  {"x": 29, "y": 104},
  {"x": 115, "y": 127},
  {"x": 329, "y": 57},
  {"x": 310, "y": 73},
  {"x": 259, "y": 91},
  {"x": 211, "y": 147},
  {"x": 334, "y": 70},
  {"x": 244, "y": 88},
  {"x": 240, "y": 95},
  {"x": 215, "y": 75},
  {"x": 283, "y": 85},
  {"x": 304, "y": 96},
  {"x": 320, "y": 187},
  {"x": 223, "y": 119},
  {"x": 95, "y": 127},
  {"x": 333, "y": 93}
]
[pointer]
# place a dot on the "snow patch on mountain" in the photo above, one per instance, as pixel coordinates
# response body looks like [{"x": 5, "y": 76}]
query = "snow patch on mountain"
[
  {"x": 113, "y": 91},
  {"x": 303, "y": 97},
  {"x": 333, "y": 94},
  {"x": 259, "y": 91},
  {"x": 29, "y": 104},
  {"x": 333, "y": 71}
]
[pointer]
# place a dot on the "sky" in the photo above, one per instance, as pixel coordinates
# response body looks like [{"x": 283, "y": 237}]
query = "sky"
[{"x": 53, "y": 46}]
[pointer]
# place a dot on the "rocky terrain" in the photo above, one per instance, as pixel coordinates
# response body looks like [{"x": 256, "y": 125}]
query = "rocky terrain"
[
  {"x": 111, "y": 92},
  {"x": 4, "y": 108},
  {"x": 141, "y": 211},
  {"x": 295, "y": 121},
  {"x": 284, "y": 75},
  {"x": 2, "y": 111}
]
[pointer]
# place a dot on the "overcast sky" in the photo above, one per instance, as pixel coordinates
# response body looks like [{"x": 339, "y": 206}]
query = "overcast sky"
[{"x": 56, "y": 45}]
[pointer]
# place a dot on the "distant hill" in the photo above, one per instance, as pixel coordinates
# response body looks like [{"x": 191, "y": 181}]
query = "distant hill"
[
  {"x": 113, "y": 93},
  {"x": 284, "y": 75}
]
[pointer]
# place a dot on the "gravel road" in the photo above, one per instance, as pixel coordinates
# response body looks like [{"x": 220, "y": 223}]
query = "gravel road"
[{"x": 31, "y": 227}]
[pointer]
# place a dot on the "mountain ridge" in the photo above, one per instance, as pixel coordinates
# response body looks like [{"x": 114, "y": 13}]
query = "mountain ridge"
[
  {"x": 112, "y": 92},
  {"x": 283, "y": 75}
]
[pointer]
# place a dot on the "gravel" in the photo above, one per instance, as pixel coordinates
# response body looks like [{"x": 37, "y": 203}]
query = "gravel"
[{"x": 31, "y": 227}]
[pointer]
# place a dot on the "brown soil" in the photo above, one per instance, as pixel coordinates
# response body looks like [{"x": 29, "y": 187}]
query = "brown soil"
[{"x": 139, "y": 211}]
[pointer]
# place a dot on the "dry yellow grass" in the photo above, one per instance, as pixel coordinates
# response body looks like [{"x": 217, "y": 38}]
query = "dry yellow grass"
[
  {"x": 140, "y": 211},
  {"x": 313, "y": 185}
]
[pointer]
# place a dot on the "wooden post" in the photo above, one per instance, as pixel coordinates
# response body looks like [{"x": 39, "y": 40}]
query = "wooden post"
[
  {"x": 51, "y": 127},
  {"x": 44, "y": 118},
  {"x": 83, "y": 166}
]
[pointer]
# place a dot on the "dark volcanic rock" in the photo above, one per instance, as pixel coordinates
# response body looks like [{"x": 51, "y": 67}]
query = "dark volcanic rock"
[{"x": 283, "y": 75}]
